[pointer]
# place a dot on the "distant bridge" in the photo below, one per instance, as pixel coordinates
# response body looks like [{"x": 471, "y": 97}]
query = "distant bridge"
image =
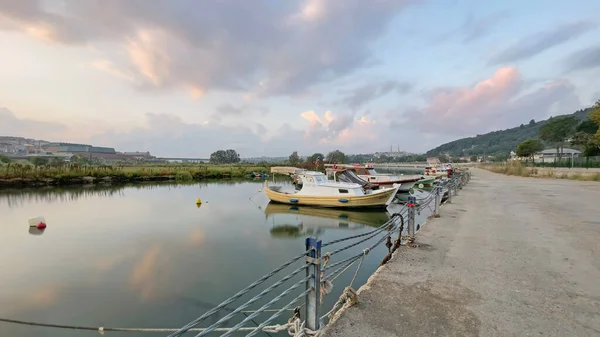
[{"x": 186, "y": 160}]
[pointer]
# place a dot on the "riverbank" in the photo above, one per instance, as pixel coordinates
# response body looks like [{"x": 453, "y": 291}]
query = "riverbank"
[
  {"x": 18, "y": 176},
  {"x": 518, "y": 169},
  {"x": 508, "y": 257}
]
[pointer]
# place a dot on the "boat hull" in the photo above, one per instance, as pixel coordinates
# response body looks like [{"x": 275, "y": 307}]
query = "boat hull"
[
  {"x": 426, "y": 182},
  {"x": 373, "y": 200}
]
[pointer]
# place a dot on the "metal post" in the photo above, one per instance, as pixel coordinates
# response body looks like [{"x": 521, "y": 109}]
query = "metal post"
[
  {"x": 438, "y": 201},
  {"x": 449, "y": 193},
  {"x": 313, "y": 301},
  {"x": 456, "y": 185},
  {"x": 411, "y": 215}
]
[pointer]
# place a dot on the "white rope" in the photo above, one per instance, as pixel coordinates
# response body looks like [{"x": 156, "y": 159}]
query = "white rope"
[{"x": 295, "y": 328}]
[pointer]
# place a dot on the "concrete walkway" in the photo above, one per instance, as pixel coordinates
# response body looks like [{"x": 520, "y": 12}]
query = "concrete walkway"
[{"x": 510, "y": 256}]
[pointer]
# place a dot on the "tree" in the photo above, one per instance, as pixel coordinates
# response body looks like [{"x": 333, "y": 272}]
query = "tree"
[
  {"x": 528, "y": 148},
  {"x": 557, "y": 130},
  {"x": 315, "y": 157},
  {"x": 589, "y": 143},
  {"x": 589, "y": 127},
  {"x": 225, "y": 157},
  {"x": 473, "y": 158},
  {"x": 4, "y": 159},
  {"x": 595, "y": 116},
  {"x": 336, "y": 156},
  {"x": 588, "y": 133},
  {"x": 294, "y": 158},
  {"x": 532, "y": 122},
  {"x": 56, "y": 161},
  {"x": 443, "y": 158},
  {"x": 37, "y": 161}
]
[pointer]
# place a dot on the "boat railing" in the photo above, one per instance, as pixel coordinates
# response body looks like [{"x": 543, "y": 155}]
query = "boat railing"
[{"x": 311, "y": 275}]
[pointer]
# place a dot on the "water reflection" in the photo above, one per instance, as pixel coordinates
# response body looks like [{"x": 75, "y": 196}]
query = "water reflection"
[
  {"x": 51, "y": 194},
  {"x": 294, "y": 221},
  {"x": 144, "y": 256}
]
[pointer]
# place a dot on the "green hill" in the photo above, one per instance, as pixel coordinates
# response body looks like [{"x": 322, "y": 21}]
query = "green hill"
[{"x": 502, "y": 141}]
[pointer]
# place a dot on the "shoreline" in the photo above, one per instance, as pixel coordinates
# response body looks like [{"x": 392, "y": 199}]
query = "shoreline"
[{"x": 16, "y": 183}]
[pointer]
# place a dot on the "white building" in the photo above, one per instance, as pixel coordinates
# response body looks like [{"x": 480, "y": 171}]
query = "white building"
[{"x": 549, "y": 155}]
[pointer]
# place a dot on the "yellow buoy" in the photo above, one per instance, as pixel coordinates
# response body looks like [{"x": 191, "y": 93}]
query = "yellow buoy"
[{"x": 198, "y": 201}]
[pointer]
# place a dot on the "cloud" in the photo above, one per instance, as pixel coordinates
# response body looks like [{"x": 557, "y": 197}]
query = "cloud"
[
  {"x": 537, "y": 43},
  {"x": 584, "y": 59},
  {"x": 21, "y": 127},
  {"x": 228, "y": 110},
  {"x": 491, "y": 104},
  {"x": 474, "y": 28},
  {"x": 258, "y": 47},
  {"x": 168, "y": 135},
  {"x": 343, "y": 130},
  {"x": 359, "y": 96}
]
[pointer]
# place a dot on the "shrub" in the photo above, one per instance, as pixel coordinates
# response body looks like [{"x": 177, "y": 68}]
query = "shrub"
[{"x": 183, "y": 176}]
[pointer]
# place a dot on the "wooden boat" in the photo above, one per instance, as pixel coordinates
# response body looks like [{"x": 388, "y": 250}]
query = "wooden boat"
[
  {"x": 425, "y": 182},
  {"x": 344, "y": 175},
  {"x": 316, "y": 190},
  {"x": 439, "y": 171},
  {"x": 368, "y": 173}
]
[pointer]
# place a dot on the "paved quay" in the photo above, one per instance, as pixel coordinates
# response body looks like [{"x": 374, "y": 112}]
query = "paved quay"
[{"x": 510, "y": 256}]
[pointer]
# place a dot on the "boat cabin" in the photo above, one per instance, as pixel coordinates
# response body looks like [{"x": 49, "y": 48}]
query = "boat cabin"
[{"x": 316, "y": 183}]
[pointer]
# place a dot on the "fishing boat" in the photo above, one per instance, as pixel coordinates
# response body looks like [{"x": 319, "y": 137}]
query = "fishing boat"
[
  {"x": 344, "y": 175},
  {"x": 368, "y": 173},
  {"x": 444, "y": 170},
  {"x": 426, "y": 182},
  {"x": 316, "y": 190}
]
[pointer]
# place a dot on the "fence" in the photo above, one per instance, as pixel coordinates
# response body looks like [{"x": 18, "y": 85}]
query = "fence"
[
  {"x": 317, "y": 273},
  {"x": 567, "y": 161}
]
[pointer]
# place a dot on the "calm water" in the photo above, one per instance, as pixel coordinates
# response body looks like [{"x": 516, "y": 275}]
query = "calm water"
[{"x": 146, "y": 256}]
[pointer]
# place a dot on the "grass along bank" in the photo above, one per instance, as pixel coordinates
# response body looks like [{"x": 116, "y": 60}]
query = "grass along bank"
[
  {"x": 516, "y": 168},
  {"x": 23, "y": 175}
]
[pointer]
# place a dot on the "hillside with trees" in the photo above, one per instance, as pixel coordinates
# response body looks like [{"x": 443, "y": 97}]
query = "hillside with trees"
[{"x": 499, "y": 142}]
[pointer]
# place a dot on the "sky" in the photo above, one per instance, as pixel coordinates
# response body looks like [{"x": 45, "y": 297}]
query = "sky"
[{"x": 268, "y": 77}]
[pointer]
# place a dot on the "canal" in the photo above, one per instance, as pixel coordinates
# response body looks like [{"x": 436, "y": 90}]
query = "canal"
[{"x": 146, "y": 256}]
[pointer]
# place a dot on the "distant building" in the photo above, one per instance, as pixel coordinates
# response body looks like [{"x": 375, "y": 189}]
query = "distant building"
[
  {"x": 433, "y": 161},
  {"x": 549, "y": 155},
  {"x": 138, "y": 155}
]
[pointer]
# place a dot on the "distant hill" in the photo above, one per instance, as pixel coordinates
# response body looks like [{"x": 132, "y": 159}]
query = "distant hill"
[{"x": 502, "y": 141}]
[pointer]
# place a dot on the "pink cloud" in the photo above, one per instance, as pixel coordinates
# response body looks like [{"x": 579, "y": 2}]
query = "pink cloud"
[
  {"x": 473, "y": 102},
  {"x": 493, "y": 103},
  {"x": 339, "y": 130}
]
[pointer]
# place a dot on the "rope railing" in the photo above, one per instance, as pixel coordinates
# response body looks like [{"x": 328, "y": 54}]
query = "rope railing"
[{"x": 321, "y": 272}]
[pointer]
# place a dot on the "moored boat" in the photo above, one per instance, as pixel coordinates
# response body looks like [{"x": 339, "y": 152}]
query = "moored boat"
[
  {"x": 368, "y": 173},
  {"x": 316, "y": 190},
  {"x": 425, "y": 182}
]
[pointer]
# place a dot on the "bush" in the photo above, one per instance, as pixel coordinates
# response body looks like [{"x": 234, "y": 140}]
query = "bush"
[{"x": 183, "y": 176}]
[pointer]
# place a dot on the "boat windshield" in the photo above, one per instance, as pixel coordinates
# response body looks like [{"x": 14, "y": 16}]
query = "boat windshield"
[
  {"x": 320, "y": 179},
  {"x": 371, "y": 171},
  {"x": 350, "y": 177}
]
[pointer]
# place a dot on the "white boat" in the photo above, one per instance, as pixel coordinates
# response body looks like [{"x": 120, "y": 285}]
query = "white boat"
[
  {"x": 316, "y": 190},
  {"x": 368, "y": 173}
]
